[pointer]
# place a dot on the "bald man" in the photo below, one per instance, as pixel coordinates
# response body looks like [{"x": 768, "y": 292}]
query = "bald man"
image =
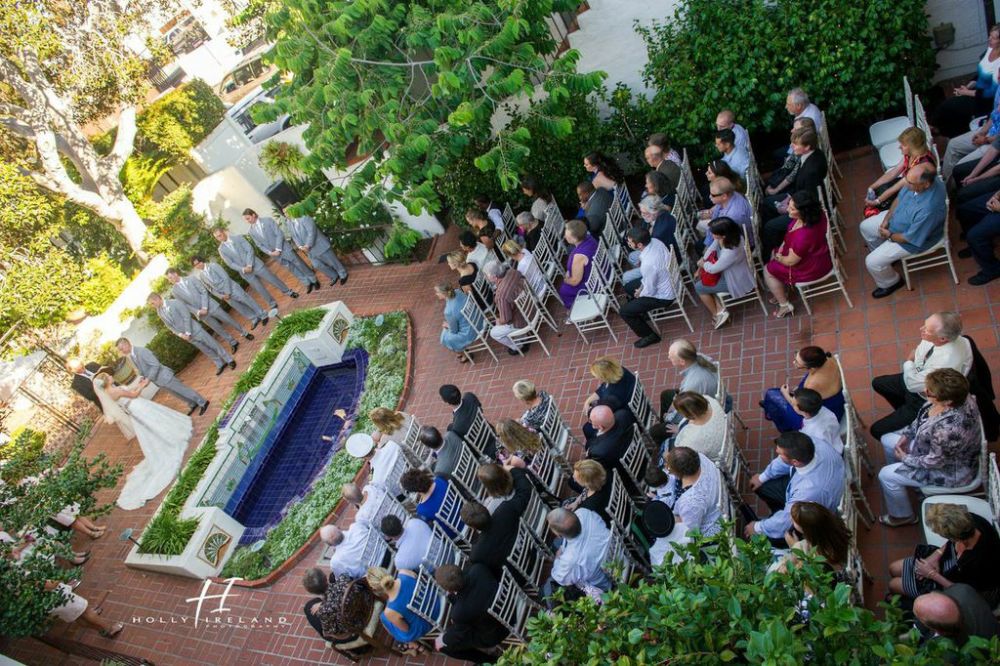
[
  {"x": 914, "y": 224},
  {"x": 957, "y": 612},
  {"x": 348, "y": 548},
  {"x": 607, "y": 435},
  {"x": 582, "y": 549},
  {"x": 727, "y": 120}
]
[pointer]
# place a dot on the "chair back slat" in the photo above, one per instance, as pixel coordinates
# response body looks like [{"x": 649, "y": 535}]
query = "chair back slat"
[
  {"x": 429, "y": 601},
  {"x": 511, "y": 607},
  {"x": 442, "y": 550}
]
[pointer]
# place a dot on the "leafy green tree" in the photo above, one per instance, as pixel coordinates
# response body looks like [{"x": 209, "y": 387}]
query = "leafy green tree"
[{"x": 412, "y": 84}]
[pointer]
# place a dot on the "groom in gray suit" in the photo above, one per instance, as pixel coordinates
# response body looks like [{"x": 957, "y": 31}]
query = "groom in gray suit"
[
  {"x": 191, "y": 292},
  {"x": 238, "y": 254},
  {"x": 176, "y": 317},
  {"x": 219, "y": 284},
  {"x": 268, "y": 236},
  {"x": 316, "y": 245},
  {"x": 148, "y": 366}
]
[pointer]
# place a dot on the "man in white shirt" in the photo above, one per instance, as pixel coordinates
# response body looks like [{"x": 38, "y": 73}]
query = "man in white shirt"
[
  {"x": 584, "y": 548},
  {"x": 941, "y": 346},
  {"x": 348, "y": 547},
  {"x": 653, "y": 291},
  {"x": 798, "y": 105},
  {"x": 411, "y": 540},
  {"x": 817, "y": 421},
  {"x": 366, "y": 500},
  {"x": 475, "y": 252}
]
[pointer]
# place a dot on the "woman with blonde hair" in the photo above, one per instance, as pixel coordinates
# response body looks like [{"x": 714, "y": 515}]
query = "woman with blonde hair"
[
  {"x": 535, "y": 400},
  {"x": 617, "y": 384},
  {"x": 882, "y": 192},
  {"x": 592, "y": 478},
  {"x": 402, "y": 624},
  {"x": 517, "y": 440},
  {"x": 457, "y": 332},
  {"x": 526, "y": 265},
  {"x": 390, "y": 425},
  {"x": 467, "y": 271}
]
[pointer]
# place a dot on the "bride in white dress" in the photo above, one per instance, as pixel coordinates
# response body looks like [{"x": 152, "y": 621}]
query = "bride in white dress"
[{"x": 163, "y": 436}]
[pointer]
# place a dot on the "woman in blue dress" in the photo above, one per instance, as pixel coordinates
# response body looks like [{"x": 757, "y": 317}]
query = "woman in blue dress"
[
  {"x": 430, "y": 491},
  {"x": 403, "y": 624},
  {"x": 457, "y": 332},
  {"x": 822, "y": 376}
]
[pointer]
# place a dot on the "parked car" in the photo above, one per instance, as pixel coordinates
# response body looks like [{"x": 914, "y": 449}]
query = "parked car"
[
  {"x": 240, "y": 112},
  {"x": 249, "y": 74}
]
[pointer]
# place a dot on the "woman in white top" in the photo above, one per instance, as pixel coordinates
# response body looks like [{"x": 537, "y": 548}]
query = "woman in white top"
[
  {"x": 705, "y": 425},
  {"x": 736, "y": 278},
  {"x": 526, "y": 266},
  {"x": 540, "y": 198}
]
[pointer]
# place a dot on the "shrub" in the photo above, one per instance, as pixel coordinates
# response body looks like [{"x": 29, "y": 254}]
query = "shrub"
[
  {"x": 172, "y": 224},
  {"x": 282, "y": 160},
  {"x": 39, "y": 289},
  {"x": 172, "y": 351},
  {"x": 105, "y": 281}
]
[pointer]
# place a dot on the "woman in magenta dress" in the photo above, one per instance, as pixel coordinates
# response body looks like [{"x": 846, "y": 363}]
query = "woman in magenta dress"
[
  {"x": 578, "y": 262},
  {"x": 804, "y": 255}
]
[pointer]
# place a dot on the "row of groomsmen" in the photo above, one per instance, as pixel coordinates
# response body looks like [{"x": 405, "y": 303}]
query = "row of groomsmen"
[{"x": 191, "y": 297}]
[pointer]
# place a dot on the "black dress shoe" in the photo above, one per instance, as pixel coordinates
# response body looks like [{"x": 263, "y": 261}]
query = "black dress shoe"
[
  {"x": 343, "y": 280},
  {"x": 310, "y": 288},
  {"x": 235, "y": 346},
  {"x": 980, "y": 278},
  {"x": 265, "y": 320},
  {"x": 650, "y": 339},
  {"x": 193, "y": 407},
  {"x": 203, "y": 408},
  {"x": 218, "y": 371},
  {"x": 294, "y": 294},
  {"x": 255, "y": 324},
  {"x": 513, "y": 352},
  {"x": 316, "y": 285},
  {"x": 965, "y": 253},
  {"x": 886, "y": 291},
  {"x": 232, "y": 365},
  {"x": 248, "y": 336}
]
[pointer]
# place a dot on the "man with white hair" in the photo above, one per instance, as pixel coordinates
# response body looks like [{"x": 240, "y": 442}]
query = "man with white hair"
[
  {"x": 507, "y": 286},
  {"x": 348, "y": 548},
  {"x": 798, "y": 106},
  {"x": 532, "y": 229},
  {"x": 583, "y": 546}
]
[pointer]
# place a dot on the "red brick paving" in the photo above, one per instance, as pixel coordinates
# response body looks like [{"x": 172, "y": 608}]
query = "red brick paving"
[{"x": 755, "y": 353}]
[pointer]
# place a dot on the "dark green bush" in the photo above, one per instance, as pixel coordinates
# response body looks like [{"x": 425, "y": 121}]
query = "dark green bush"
[{"x": 172, "y": 351}]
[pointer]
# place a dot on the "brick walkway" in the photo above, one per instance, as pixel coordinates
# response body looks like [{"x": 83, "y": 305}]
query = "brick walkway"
[{"x": 755, "y": 354}]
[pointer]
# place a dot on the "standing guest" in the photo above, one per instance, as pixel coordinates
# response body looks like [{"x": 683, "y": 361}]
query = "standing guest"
[
  {"x": 940, "y": 448},
  {"x": 507, "y": 287},
  {"x": 818, "y": 422},
  {"x": 411, "y": 540},
  {"x": 238, "y": 254},
  {"x": 402, "y": 624},
  {"x": 83, "y": 379},
  {"x": 654, "y": 291},
  {"x": 578, "y": 263},
  {"x": 530, "y": 227},
  {"x": 457, "y": 332},
  {"x": 774, "y": 209},
  {"x": 527, "y": 266},
  {"x": 473, "y": 635},
  {"x": 801, "y": 472},
  {"x": 670, "y": 169},
  {"x": 191, "y": 292},
  {"x": 803, "y": 254},
  {"x": 726, "y": 260},
  {"x": 699, "y": 374},
  {"x": 309, "y": 239},
  {"x": 914, "y": 225},
  {"x": 882, "y": 192},
  {"x": 735, "y": 157},
  {"x": 268, "y": 236},
  {"x": 217, "y": 281},
  {"x": 176, "y": 317},
  {"x": 726, "y": 120},
  {"x": 430, "y": 492},
  {"x": 148, "y": 366},
  {"x": 348, "y": 546},
  {"x": 485, "y": 204},
  {"x": 75, "y": 608},
  {"x": 465, "y": 407},
  {"x": 981, "y": 239},
  {"x": 816, "y": 530},
  {"x": 942, "y": 345},
  {"x": 727, "y": 203},
  {"x": 822, "y": 375},
  {"x": 705, "y": 429},
  {"x": 536, "y": 403},
  {"x": 475, "y": 252},
  {"x": 957, "y": 613},
  {"x": 581, "y": 553},
  {"x": 951, "y": 118},
  {"x": 498, "y": 531},
  {"x": 616, "y": 384},
  {"x": 594, "y": 205},
  {"x": 541, "y": 198}
]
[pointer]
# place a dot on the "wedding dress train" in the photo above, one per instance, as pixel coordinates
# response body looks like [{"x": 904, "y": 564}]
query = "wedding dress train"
[{"x": 163, "y": 435}]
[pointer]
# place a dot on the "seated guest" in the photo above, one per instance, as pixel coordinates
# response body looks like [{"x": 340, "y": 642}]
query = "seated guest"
[
  {"x": 402, "y": 624},
  {"x": 780, "y": 180},
  {"x": 655, "y": 289},
  {"x": 979, "y": 179},
  {"x": 727, "y": 202},
  {"x": 541, "y": 198},
  {"x": 696, "y": 484},
  {"x": 818, "y": 422},
  {"x": 724, "y": 265},
  {"x": 465, "y": 407},
  {"x": 660, "y": 140},
  {"x": 390, "y": 424},
  {"x": 822, "y": 376},
  {"x": 411, "y": 540},
  {"x": 968, "y": 556},
  {"x": 591, "y": 476},
  {"x": 498, "y": 531},
  {"x": 517, "y": 441},
  {"x": 726, "y": 120},
  {"x": 663, "y": 227},
  {"x": 337, "y": 623},
  {"x": 498, "y": 480},
  {"x": 583, "y": 547},
  {"x": 774, "y": 209},
  {"x": 530, "y": 229},
  {"x": 347, "y": 548},
  {"x": 526, "y": 265},
  {"x": 456, "y": 333},
  {"x": 803, "y": 254},
  {"x": 940, "y": 448},
  {"x": 430, "y": 491},
  {"x": 604, "y": 171},
  {"x": 446, "y": 450},
  {"x": 942, "y": 345},
  {"x": 719, "y": 169},
  {"x": 670, "y": 169},
  {"x": 970, "y": 211},
  {"x": 495, "y": 214},
  {"x": 467, "y": 277},
  {"x": 617, "y": 384},
  {"x": 607, "y": 436},
  {"x": 485, "y": 230},
  {"x": 968, "y": 148},
  {"x": 578, "y": 263},
  {"x": 914, "y": 225},
  {"x": 594, "y": 204},
  {"x": 366, "y": 500},
  {"x": 381, "y": 462},
  {"x": 473, "y": 634},
  {"x": 657, "y": 186},
  {"x": 882, "y": 192},
  {"x": 952, "y": 116},
  {"x": 699, "y": 374},
  {"x": 818, "y": 477},
  {"x": 475, "y": 252},
  {"x": 536, "y": 402},
  {"x": 816, "y": 530},
  {"x": 659, "y": 483},
  {"x": 981, "y": 239},
  {"x": 507, "y": 286},
  {"x": 798, "y": 106},
  {"x": 735, "y": 157},
  {"x": 957, "y": 613},
  {"x": 706, "y": 423}
]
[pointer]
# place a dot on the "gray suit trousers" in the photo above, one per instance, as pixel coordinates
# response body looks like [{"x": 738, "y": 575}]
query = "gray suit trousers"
[
  {"x": 328, "y": 263},
  {"x": 246, "y": 306},
  {"x": 293, "y": 262},
  {"x": 207, "y": 345},
  {"x": 254, "y": 280},
  {"x": 218, "y": 320},
  {"x": 184, "y": 392}
]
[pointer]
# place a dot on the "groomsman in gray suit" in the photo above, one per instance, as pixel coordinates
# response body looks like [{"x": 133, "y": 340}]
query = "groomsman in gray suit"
[
  {"x": 148, "y": 366},
  {"x": 239, "y": 255},
  {"x": 220, "y": 285},
  {"x": 192, "y": 293},
  {"x": 316, "y": 245},
  {"x": 178, "y": 319},
  {"x": 268, "y": 236}
]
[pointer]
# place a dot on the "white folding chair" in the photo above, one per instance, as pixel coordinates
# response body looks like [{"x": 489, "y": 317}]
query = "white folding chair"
[
  {"x": 388, "y": 506},
  {"x": 442, "y": 550},
  {"x": 852, "y": 458},
  {"x": 592, "y": 306},
  {"x": 430, "y": 603},
  {"x": 479, "y": 322},
  {"x": 464, "y": 475},
  {"x": 831, "y": 162},
  {"x": 534, "y": 517},
  {"x": 939, "y": 255},
  {"x": 484, "y": 290},
  {"x": 722, "y": 394},
  {"x": 450, "y": 517},
  {"x": 830, "y": 283},
  {"x": 479, "y": 437},
  {"x": 728, "y": 301},
  {"x": 531, "y": 331},
  {"x": 416, "y": 453},
  {"x": 833, "y": 216},
  {"x": 887, "y": 131},
  {"x": 730, "y": 461},
  {"x": 851, "y": 424},
  {"x": 640, "y": 406},
  {"x": 619, "y": 564},
  {"x": 511, "y": 607},
  {"x": 509, "y": 220},
  {"x": 377, "y": 549},
  {"x": 623, "y": 511},
  {"x": 548, "y": 471},
  {"x": 634, "y": 461},
  {"x": 988, "y": 508},
  {"x": 889, "y": 153},
  {"x": 677, "y": 309},
  {"x": 557, "y": 434},
  {"x": 527, "y": 559}
]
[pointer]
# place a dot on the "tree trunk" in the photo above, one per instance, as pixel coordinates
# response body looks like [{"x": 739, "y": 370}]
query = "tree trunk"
[{"x": 130, "y": 225}]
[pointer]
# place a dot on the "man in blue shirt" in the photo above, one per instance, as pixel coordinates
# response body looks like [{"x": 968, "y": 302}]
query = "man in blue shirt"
[
  {"x": 913, "y": 225},
  {"x": 802, "y": 472},
  {"x": 727, "y": 203},
  {"x": 735, "y": 157}
]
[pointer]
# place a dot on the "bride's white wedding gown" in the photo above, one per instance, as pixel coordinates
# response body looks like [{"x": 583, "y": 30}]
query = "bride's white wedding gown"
[{"x": 163, "y": 435}]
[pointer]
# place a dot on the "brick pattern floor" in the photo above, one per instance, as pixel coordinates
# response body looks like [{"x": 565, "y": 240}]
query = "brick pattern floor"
[{"x": 873, "y": 338}]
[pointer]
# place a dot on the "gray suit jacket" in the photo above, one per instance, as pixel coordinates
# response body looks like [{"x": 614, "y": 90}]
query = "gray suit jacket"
[
  {"x": 304, "y": 232},
  {"x": 217, "y": 280},
  {"x": 447, "y": 455},
  {"x": 177, "y": 317},
  {"x": 150, "y": 367},
  {"x": 268, "y": 236},
  {"x": 191, "y": 292},
  {"x": 237, "y": 252}
]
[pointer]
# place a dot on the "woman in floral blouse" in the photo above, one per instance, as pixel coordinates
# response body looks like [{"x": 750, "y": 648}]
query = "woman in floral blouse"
[{"x": 940, "y": 448}]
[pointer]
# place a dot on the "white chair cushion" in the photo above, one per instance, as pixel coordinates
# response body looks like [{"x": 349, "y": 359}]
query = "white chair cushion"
[
  {"x": 976, "y": 505},
  {"x": 890, "y": 154},
  {"x": 887, "y": 131},
  {"x": 587, "y": 307}
]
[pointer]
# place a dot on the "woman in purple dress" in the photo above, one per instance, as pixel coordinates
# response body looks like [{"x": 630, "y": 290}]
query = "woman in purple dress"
[
  {"x": 578, "y": 262},
  {"x": 804, "y": 255}
]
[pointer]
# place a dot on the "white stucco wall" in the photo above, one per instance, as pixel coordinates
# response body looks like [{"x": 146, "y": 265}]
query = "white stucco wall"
[
  {"x": 225, "y": 194},
  {"x": 970, "y": 35}
]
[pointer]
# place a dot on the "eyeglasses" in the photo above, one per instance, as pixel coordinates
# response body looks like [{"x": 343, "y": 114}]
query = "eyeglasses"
[{"x": 715, "y": 194}]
